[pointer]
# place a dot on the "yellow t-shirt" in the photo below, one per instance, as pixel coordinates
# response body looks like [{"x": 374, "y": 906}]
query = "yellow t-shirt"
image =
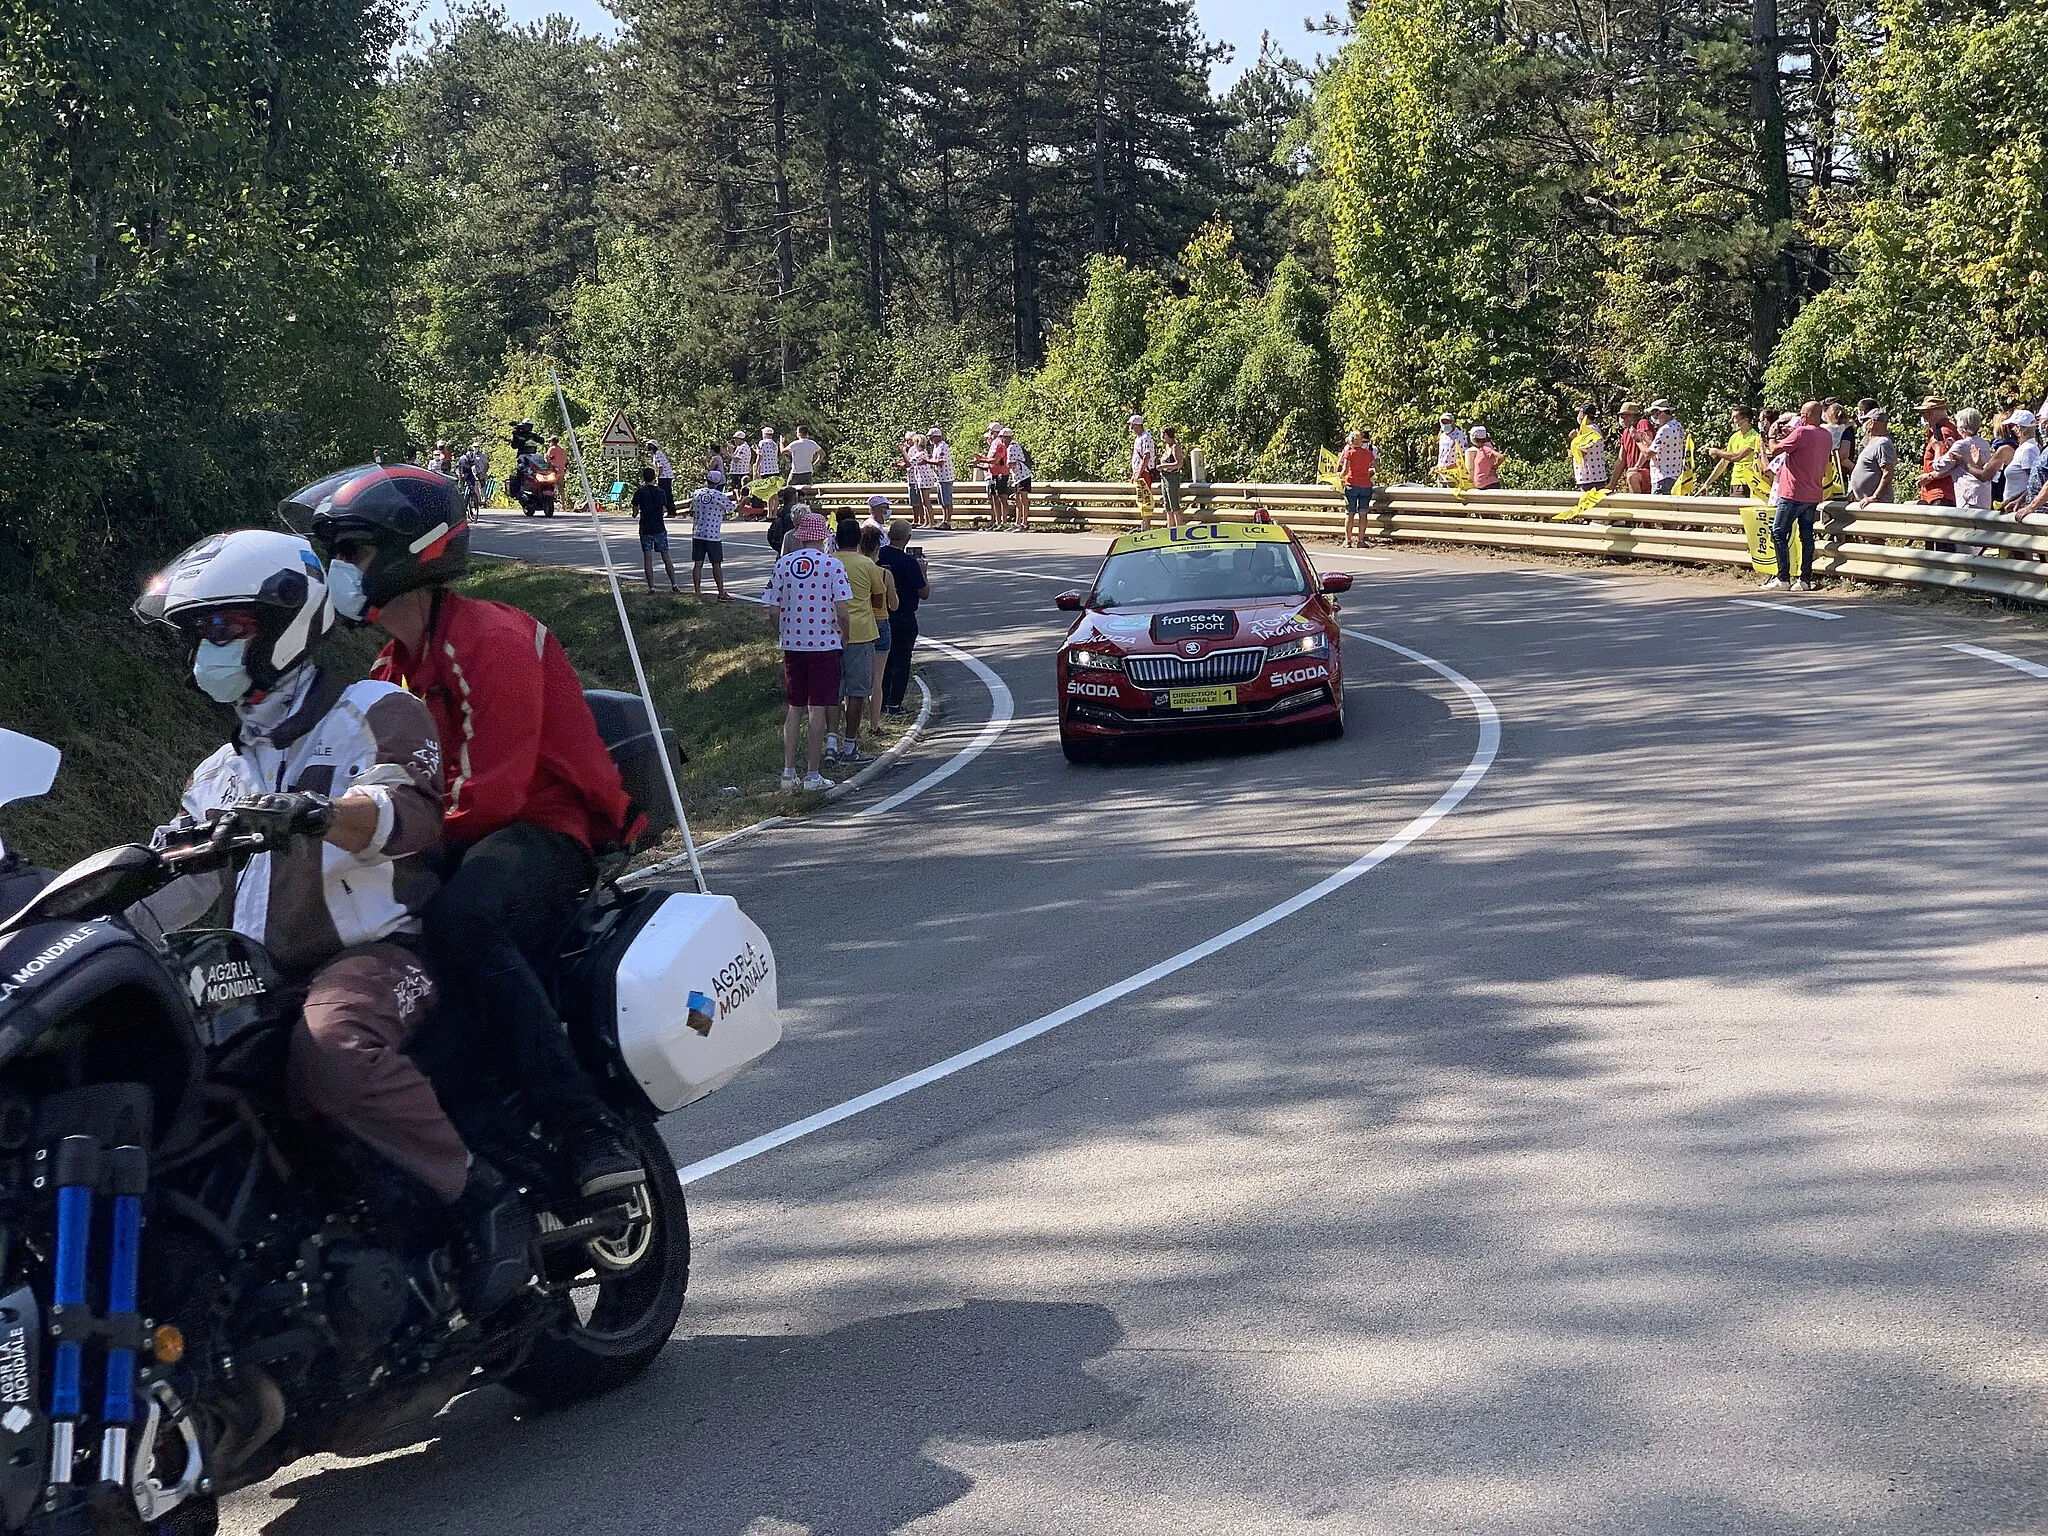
[
  {"x": 1746, "y": 473},
  {"x": 865, "y": 577}
]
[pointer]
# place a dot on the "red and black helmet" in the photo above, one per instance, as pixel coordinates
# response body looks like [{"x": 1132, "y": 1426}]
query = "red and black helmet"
[{"x": 417, "y": 520}]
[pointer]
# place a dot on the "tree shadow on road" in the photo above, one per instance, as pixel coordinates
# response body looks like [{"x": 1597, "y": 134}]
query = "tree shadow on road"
[{"x": 726, "y": 1433}]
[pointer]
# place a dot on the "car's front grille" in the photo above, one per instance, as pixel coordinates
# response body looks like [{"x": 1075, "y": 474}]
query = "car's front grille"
[{"x": 1175, "y": 672}]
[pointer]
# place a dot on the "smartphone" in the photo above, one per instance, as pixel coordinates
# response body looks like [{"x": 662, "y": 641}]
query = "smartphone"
[{"x": 915, "y": 551}]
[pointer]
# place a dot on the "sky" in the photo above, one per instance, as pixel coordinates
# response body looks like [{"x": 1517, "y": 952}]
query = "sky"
[{"x": 1238, "y": 22}]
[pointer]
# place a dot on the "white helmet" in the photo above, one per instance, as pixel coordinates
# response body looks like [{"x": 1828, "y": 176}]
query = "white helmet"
[{"x": 252, "y": 600}]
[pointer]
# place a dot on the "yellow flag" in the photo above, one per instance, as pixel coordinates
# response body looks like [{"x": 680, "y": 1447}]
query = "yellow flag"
[
  {"x": 1456, "y": 476},
  {"x": 1329, "y": 469},
  {"x": 1690, "y": 480},
  {"x": 1587, "y": 503}
]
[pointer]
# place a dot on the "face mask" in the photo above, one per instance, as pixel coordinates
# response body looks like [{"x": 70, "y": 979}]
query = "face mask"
[
  {"x": 345, "y": 588},
  {"x": 219, "y": 672}
]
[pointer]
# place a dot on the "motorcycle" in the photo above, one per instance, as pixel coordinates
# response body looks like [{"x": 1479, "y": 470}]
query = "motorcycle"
[
  {"x": 238, "y": 1286},
  {"x": 535, "y": 486}
]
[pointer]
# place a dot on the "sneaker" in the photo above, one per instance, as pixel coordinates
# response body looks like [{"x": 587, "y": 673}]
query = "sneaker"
[
  {"x": 1805, "y": 586},
  {"x": 789, "y": 781},
  {"x": 831, "y": 747},
  {"x": 816, "y": 781},
  {"x": 851, "y": 754},
  {"x": 893, "y": 709},
  {"x": 498, "y": 1231},
  {"x": 1773, "y": 585},
  {"x": 603, "y": 1160}
]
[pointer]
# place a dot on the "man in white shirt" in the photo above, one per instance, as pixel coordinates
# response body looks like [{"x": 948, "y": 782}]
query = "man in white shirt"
[
  {"x": 805, "y": 455},
  {"x": 941, "y": 454},
  {"x": 768, "y": 455},
  {"x": 664, "y": 475},
  {"x": 1144, "y": 467},
  {"x": 1451, "y": 442},
  {"x": 739, "y": 465},
  {"x": 1667, "y": 449}
]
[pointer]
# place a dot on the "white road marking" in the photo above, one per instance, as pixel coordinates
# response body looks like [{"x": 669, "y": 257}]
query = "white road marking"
[
  {"x": 2017, "y": 663},
  {"x": 1811, "y": 613},
  {"x": 1002, "y": 570},
  {"x": 1584, "y": 581},
  {"x": 1482, "y": 759},
  {"x": 1002, "y": 709}
]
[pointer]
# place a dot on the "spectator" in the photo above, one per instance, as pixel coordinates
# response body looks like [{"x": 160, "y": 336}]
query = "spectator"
[
  {"x": 1358, "y": 462},
  {"x": 811, "y": 598},
  {"x": 872, "y": 540},
  {"x": 2022, "y": 463},
  {"x": 878, "y": 515},
  {"x": 1806, "y": 449},
  {"x": 1877, "y": 465},
  {"x": 1144, "y": 467},
  {"x": 1968, "y": 463},
  {"x": 709, "y": 508},
  {"x": 767, "y": 455},
  {"x": 940, "y": 452},
  {"x": 558, "y": 461},
  {"x": 1632, "y": 450},
  {"x": 1667, "y": 449},
  {"x": 664, "y": 474},
  {"x": 1020, "y": 480},
  {"x": 440, "y": 461},
  {"x": 988, "y": 440},
  {"x": 1835, "y": 417},
  {"x": 1173, "y": 473},
  {"x": 924, "y": 481},
  {"x": 739, "y": 464},
  {"x": 1740, "y": 461},
  {"x": 1937, "y": 488},
  {"x": 1482, "y": 461},
  {"x": 1451, "y": 444},
  {"x": 783, "y": 523},
  {"x": 857, "y": 671},
  {"x": 805, "y": 455},
  {"x": 652, "y": 509},
  {"x": 913, "y": 586},
  {"x": 1589, "y": 452},
  {"x": 995, "y": 462}
]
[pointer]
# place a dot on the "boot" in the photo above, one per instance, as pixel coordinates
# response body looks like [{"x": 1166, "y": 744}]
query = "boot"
[
  {"x": 602, "y": 1159},
  {"x": 498, "y": 1232}
]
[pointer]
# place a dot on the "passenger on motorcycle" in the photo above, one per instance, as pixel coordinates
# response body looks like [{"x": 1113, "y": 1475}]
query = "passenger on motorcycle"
[
  {"x": 342, "y": 914},
  {"x": 531, "y": 789}
]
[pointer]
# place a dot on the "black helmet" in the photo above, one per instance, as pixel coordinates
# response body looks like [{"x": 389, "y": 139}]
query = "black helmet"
[{"x": 416, "y": 520}]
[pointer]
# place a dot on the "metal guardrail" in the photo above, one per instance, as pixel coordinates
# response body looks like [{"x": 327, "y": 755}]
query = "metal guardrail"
[{"x": 1904, "y": 543}]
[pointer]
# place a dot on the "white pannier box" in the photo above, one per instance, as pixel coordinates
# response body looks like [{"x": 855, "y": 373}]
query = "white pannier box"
[{"x": 705, "y": 945}]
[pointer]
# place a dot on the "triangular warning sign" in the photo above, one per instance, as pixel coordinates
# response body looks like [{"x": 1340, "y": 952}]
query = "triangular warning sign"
[{"x": 620, "y": 433}]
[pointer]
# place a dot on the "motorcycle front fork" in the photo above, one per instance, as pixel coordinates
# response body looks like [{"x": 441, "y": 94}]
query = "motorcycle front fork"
[{"x": 81, "y": 1171}]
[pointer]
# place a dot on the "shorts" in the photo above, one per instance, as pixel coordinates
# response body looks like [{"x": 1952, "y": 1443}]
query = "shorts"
[
  {"x": 1357, "y": 500},
  {"x": 916, "y": 498},
  {"x": 810, "y": 679},
  {"x": 946, "y": 495},
  {"x": 655, "y": 541},
  {"x": 883, "y": 637},
  {"x": 708, "y": 549},
  {"x": 1661, "y": 485},
  {"x": 999, "y": 485},
  {"x": 857, "y": 675},
  {"x": 1021, "y": 484},
  {"x": 800, "y": 477}
]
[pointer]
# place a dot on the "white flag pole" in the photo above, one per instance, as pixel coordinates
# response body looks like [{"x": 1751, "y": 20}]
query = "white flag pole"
[{"x": 668, "y": 772}]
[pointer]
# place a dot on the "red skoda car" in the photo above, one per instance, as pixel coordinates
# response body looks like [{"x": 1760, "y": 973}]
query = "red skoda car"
[{"x": 1209, "y": 627}]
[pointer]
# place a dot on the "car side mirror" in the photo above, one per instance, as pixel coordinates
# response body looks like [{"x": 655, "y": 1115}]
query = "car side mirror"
[
  {"x": 1069, "y": 602},
  {"x": 1337, "y": 581}
]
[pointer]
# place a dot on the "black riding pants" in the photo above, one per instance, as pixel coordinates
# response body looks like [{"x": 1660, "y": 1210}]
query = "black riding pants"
[{"x": 501, "y": 914}]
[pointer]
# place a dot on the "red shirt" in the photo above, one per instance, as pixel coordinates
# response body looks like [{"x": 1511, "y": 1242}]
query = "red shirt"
[
  {"x": 1938, "y": 490},
  {"x": 517, "y": 740},
  {"x": 1358, "y": 464},
  {"x": 1804, "y": 474}
]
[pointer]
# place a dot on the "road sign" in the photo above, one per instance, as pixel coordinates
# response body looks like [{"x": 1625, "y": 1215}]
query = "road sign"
[{"x": 620, "y": 433}]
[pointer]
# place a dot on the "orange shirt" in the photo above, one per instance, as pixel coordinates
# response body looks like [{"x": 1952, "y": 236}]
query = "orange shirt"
[{"x": 1358, "y": 464}]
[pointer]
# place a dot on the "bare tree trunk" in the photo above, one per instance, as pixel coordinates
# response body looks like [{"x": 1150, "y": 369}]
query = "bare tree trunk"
[
  {"x": 878, "y": 275},
  {"x": 785, "y": 241},
  {"x": 1774, "y": 186},
  {"x": 1101, "y": 209}
]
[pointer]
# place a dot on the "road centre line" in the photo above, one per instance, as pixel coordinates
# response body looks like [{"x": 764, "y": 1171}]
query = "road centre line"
[
  {"x": 1002, "y": 710},
  {"x": 1811, "y": 613},
  {"x": 1482, "y": 760},
  {"x": 2017, "y": 663},
  {"x": 1000, "y": 570}
]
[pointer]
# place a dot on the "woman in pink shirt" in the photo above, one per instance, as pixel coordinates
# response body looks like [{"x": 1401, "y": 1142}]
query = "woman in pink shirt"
[{"x": 1482, "y": 461}]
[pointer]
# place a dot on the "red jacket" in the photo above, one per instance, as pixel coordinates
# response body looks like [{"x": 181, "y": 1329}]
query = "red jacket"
[{"x": 517, "y": 740}]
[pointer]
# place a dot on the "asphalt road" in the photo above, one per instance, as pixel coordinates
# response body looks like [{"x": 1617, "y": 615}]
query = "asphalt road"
[{"x": 1650, "y": 1145}]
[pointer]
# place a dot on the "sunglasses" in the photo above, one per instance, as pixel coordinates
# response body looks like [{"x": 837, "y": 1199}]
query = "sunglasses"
[{"x": 225, "y": 628}]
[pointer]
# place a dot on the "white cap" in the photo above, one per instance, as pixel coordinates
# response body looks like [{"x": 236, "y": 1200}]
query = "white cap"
[
  {"x": 2024, "y": 419},
  {"x": 1135, "y": 421},
  {"x": 1480, "y": 434}
]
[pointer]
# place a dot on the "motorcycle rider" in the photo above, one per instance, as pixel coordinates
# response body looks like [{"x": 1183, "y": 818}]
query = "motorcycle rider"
[
  {"x": 525, "y": 456},
  {"x": 341, "y": 914},
  {"x": 531, "y": 789}
]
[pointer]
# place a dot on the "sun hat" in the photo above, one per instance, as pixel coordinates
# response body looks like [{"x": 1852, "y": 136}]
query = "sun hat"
[
  {"x": 1006, "y": 433},
  {"x": 1480, "y": 434},
  {"x": 1934, "y": 403},
  {"x": 1661, "y": 405},
  {"x": 878, "y": 503},
  {"x": 2023, "y": 418},
  {"x": 809, "y": 527}
]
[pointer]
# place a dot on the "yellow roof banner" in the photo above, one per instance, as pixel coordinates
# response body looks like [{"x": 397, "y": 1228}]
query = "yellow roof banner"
[{"x": 1194, "y": 535}]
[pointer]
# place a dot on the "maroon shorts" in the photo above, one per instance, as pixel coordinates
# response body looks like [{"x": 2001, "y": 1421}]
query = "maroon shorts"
[{"x": 810, "y": 677}]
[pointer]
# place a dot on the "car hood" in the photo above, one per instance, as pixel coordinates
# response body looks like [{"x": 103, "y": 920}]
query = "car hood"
[{"x": 1171, "y": 628}]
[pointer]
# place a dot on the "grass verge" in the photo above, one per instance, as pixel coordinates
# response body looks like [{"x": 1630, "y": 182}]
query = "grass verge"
[{"x": 116, "y": 698}]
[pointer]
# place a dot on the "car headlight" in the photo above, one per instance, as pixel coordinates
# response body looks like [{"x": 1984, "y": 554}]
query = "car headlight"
[
  {"x": 1095, "y": 661},
  {"x": 1307, "y": 645}
]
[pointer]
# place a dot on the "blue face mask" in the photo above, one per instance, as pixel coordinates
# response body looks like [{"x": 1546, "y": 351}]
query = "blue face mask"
[
  {"x": 219, "y": 672},
  {"x": 345, "y": 590}
]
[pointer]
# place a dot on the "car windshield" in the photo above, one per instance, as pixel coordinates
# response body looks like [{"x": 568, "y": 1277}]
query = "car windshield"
[{"x": 1195, "y": 572}]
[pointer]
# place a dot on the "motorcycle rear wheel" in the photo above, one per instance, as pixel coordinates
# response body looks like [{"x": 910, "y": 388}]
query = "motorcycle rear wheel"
[{"x": 602, "y": 1342}]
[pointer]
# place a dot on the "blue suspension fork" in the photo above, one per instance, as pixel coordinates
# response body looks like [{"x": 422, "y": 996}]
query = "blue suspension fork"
[
  {"x": 128, "y": 1176},
  {"x": 77, "y": 1171}
]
